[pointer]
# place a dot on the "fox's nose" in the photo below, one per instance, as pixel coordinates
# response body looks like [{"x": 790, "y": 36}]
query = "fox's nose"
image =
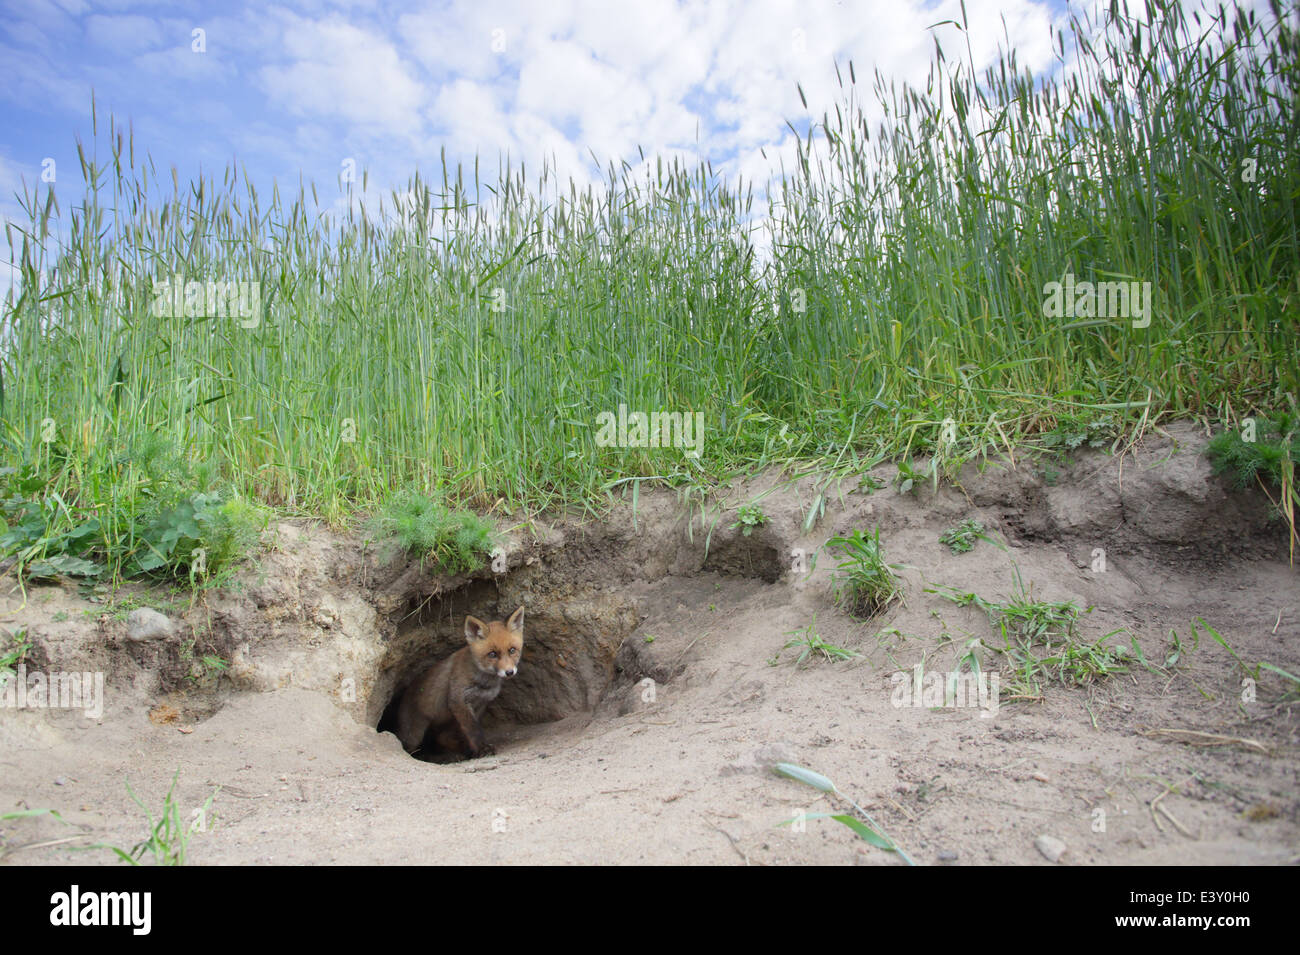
[{"x": 510, "y": 672}]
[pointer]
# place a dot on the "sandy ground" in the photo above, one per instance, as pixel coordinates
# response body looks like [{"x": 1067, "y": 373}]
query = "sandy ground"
[{"x": 1172, "y": 766}]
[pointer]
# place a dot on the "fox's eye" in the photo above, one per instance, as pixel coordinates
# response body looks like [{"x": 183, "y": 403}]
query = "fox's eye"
[
  {"x": 493, "y": 655},
  {"x": 514, "y": 650}
]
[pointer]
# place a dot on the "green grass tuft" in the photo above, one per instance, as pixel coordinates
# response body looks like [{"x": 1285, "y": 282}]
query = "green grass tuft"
[
  {"x": 1041, "y": 645},
  {"x": 456, "y": 541},
  {"x": 1273, "y": 452},
  {"x": 1269, "y": 457},
  {"x": 810, "y": 644},
  {"x": 167, "y": 843},
  {"x": 864, "y": 583}
]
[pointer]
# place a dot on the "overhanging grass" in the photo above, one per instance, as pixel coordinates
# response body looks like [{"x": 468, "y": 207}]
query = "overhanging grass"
[{"x": 463, "y": 340}]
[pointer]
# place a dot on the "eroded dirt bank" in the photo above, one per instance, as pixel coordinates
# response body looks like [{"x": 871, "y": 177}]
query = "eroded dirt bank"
[{"x": 1172, "y": 764}]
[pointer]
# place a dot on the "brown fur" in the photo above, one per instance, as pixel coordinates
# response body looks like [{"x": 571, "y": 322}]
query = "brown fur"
[{"x": 441, "y": 709}]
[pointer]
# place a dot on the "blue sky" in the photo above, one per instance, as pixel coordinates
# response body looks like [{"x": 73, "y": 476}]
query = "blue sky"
[{"x": 298, "y": 88}]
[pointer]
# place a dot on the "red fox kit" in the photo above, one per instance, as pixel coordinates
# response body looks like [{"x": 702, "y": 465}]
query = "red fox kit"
[{"x": 441, "y": 709}]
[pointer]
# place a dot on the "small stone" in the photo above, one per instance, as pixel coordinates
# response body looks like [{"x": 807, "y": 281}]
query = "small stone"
[
  {"x": 147, "y": 624},
  {"x": 60, "y": 781},
  {"x": 1041, "y": 777},
  {"x": 1051, "y": 848},
  {"x": 948, "y": 855}
]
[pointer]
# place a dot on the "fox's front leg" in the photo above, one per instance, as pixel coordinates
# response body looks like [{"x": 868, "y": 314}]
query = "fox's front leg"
[
  {"x": 411, "y": 732},
  {"x": 475, "y": 742}
]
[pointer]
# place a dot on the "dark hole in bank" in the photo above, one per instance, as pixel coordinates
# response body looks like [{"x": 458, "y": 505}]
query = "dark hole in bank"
[{"x": 566, "y": 665}]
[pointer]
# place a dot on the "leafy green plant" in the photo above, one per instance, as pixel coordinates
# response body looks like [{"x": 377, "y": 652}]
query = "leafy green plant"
[
  {"x": 910, "y": 476},
  {"x": 865, "y": 583},
  {"x": 152, "y": 521},
  {"x": 199, "y": 535},
  {"x": 13, "y": 648},
  {"x": 862, "y": 824},
  {"x": 44, "y": 535},
  {"x": 1269, "y": 458},
  {"x": 18, "y": 645},
  {"x": 810, "y": 643},
  {"x": 456, "y": 541},
  {"x": 749, "y": 516},
  {"x": 962, "y": 537},
  {"x": 869, "y": 483},
  {"x": 1074, "y": 431},
  {"x": 203, "y": 670}
]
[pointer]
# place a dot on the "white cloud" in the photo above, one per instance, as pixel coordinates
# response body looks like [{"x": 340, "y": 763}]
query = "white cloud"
[
  {"x": 472, "y": 113},
  {"x": 342, "y": 71},
  {"x": 455, "y": 43},
  {"x": 124, "y": 35}
]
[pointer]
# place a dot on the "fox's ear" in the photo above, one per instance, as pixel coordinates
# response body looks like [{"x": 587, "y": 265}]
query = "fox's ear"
[
  {"x": 516, "y": 621},
  {"x": 475, "y": 629}
]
